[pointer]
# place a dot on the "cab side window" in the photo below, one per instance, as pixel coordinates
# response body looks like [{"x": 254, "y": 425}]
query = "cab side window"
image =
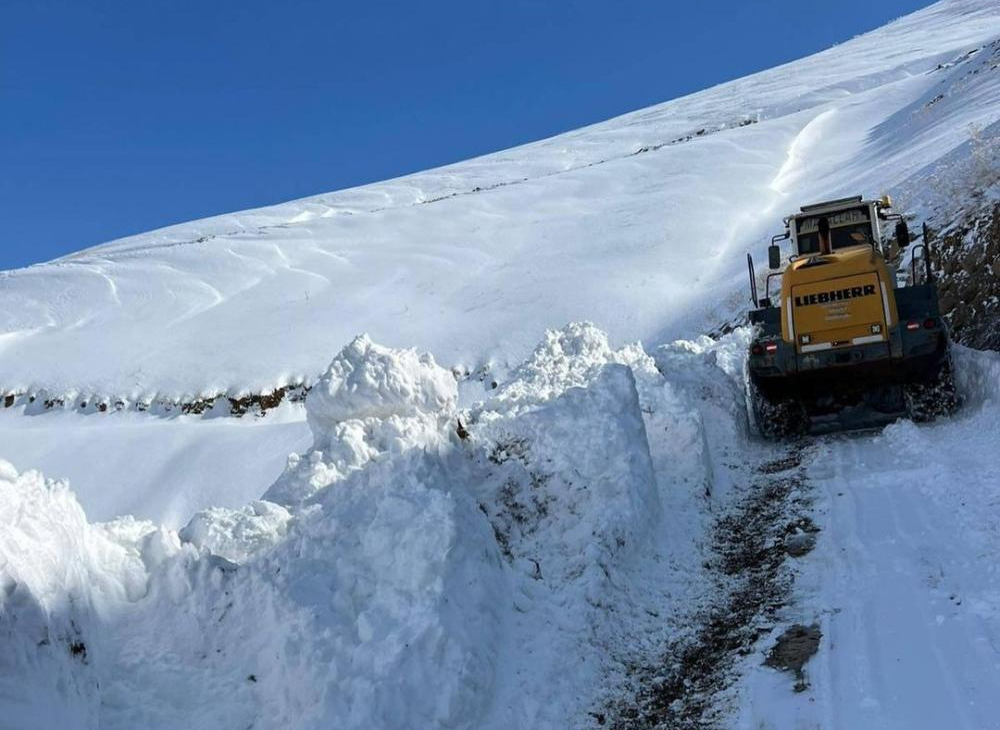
[{"x": 808, "y": 243}]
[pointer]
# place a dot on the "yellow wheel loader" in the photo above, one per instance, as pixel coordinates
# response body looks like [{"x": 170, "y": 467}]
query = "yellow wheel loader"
[{"x": 850, "y": 342}]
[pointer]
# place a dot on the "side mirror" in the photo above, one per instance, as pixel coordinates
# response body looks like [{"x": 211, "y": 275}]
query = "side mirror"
[
  {"x": 902, "y": 234},
  {"x": 774, "y": 256}
]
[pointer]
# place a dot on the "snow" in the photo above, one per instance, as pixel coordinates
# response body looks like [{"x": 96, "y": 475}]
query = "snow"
[
  {"x": 160, "y": 469},
  {"x": 903, "y": 580},
  {"x": 236, "y": 534},
  {"x": 55, "y": 570},
  {"x": 371, "y": 404},
  {"x": 639, "y": 224},
  {"x": 498, "y": 534},
  {"x": 481, "y": 562}
]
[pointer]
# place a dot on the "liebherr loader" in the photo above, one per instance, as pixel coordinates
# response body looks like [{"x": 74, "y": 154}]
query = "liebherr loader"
[{"x": 845, "y": 345}]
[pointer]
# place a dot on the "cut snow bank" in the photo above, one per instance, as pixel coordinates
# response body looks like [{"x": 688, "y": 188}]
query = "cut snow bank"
[
  {"x": 977, "y": 375},
  {"x": 404, "y": 572},
  {"x": 58, "y": 576}
]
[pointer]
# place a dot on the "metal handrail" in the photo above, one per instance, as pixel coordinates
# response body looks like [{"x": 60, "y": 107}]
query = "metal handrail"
[
  {"x": 767, "y": 287},
  {"x": 926, "y": 257},
  {"x": 927, "y": 254},
  {"x": 928, "y": 276}
]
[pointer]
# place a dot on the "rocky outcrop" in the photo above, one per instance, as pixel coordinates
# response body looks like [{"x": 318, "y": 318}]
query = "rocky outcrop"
[{"x": 966, "y": 263}]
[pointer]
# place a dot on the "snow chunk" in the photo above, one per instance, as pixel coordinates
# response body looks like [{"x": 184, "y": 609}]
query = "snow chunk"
[
  {"x": 372, "y": 403},
  {"x": 577, "y": 483},
  {"x": 237, "y": 534},
  {"x": 47, "y": 546},
  {"x": 369, "y": 381},
  {"x": 977, "y": 374},
  {"x": 566, "y": 358},
  {"x": 399, "y": 568}
]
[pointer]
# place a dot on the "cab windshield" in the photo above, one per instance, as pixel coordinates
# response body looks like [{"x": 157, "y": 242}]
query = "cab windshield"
[{"x": 848, "y": 228}]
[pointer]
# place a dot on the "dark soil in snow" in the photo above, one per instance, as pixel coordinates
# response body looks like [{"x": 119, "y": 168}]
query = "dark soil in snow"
[
  {"x": 682, "y": 689},
  {"x": 257, "y": 404},
  {"x": 779, "y": 465},
  {"x": 800, "y": 537},
  {"x": 798, "y": 544},
  {"x": 793, "y": 650}
]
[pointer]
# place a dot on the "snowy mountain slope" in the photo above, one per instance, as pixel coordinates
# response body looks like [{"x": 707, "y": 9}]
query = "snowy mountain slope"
[
  {"x": 546, "y": 558},
  {"x": 475, "y": 260}
]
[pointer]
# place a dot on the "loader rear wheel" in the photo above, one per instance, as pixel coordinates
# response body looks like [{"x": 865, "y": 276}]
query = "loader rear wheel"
[{"x": 936, "y": 397}]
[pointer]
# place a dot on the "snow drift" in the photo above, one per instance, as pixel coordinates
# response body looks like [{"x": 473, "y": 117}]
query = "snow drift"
[{"x": 399, "y": 548}]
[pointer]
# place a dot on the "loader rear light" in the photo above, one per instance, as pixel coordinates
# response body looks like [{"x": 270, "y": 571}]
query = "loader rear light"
[
  {"x": 805, "y": 339},
  {"x": 876, "y": 329},
  {"x": 913, "y": 325},
  {"x": 757, "y": 349},
  {"x": 771, "y": 347},
  {"x": 930, "y": 323}
]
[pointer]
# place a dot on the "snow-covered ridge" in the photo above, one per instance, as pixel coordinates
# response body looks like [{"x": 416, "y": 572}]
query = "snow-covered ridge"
[
  {"x": 237, "y": 403},
  {"x": 638, "y": 223}
]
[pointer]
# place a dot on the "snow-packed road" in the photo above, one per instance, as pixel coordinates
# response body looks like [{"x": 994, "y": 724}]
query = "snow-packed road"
[
  {"x": 904, "y": 581},
  {"x": 915, "y": 635}
]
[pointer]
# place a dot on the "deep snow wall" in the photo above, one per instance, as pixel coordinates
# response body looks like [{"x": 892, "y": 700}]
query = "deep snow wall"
[{"x": 401, "y": 546}]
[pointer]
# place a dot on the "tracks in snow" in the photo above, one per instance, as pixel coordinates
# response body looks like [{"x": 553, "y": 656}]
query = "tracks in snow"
[
  {"x": 752, "y": 543},
  {"x": 912, "y": 586}
]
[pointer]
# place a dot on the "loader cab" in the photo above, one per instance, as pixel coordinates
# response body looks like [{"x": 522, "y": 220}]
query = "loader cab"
[{"x": 852, "y": 222}]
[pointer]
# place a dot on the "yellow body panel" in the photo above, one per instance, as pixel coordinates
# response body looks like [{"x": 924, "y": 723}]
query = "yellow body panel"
[{"x": 837, "y": 300}]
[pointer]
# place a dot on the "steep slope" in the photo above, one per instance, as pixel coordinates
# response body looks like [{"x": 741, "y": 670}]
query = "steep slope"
[
  {"x": 579, "y": 535},
  {"x": 638, "y": 223}
]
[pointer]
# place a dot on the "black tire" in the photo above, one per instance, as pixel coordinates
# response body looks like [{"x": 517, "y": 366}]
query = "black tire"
[
  {"x": 933, "y": 398},
  {"x": 777, "y": 420}
]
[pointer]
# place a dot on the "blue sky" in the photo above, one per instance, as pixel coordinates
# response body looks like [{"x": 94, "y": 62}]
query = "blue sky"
[{"x": 120, "y": 117}]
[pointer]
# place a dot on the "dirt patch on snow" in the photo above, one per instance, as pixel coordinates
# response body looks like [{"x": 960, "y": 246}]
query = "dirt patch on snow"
[
  {"x": 751, "y": 544},
  {"x": 799, "y": 544},
  {"x": 785, "y": 463},
  {"x": 794, "y": 648},
  {"x": 800, "y": 537}
]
